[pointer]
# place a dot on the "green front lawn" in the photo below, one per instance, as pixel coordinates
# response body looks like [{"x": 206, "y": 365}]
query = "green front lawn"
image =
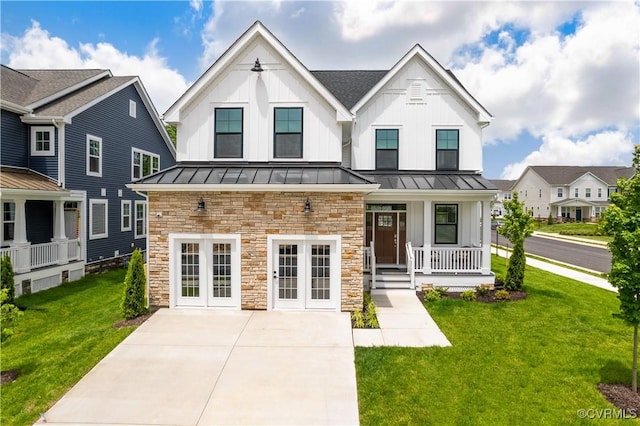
[
  {"x": 535, "y": 361},
  {"x": 63, "y": 333},
  {"x": 580, "y": 230}
]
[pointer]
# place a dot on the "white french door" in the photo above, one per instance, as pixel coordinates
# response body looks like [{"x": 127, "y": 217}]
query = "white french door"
[
  {"x": 305, "y": 274},
  {"x": 206, "y": 272}
]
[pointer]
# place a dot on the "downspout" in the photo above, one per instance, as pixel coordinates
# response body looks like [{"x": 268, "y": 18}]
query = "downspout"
[{"x": 146, "y": 197}]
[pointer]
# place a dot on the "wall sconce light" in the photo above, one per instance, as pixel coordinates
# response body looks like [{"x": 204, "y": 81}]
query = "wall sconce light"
[
  {"x": 307, "y": 206},
  {"x": 257, "y": 67},
  {"x": 201, "y": 206}
]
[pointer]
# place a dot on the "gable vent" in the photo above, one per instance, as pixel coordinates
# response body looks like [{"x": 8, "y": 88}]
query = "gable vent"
[{"x": 415, "y": 91}]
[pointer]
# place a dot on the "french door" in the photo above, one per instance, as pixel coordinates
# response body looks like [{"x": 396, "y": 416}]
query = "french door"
[
  {"x": 305, "y": 275},
  {"x": 207, "y": 273}
]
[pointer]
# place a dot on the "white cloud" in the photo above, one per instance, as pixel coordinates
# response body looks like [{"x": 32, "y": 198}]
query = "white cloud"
[
  {"x": 196, "y": 5},
  {"x": 607, "y": 148},
  {"x": 39, "y": 49}
]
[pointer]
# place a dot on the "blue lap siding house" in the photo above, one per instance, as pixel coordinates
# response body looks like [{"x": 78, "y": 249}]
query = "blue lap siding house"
[{"x": 70, "y": 140}]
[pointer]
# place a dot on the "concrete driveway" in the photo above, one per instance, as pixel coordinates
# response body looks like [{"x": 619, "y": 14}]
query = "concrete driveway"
[{"x": 206, "y": 367}]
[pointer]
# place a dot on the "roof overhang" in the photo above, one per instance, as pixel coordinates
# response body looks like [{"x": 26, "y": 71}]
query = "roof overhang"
[
  {"x": 578, "y": 202},
  {"x": 10, "y": 106},
  {"x": 172, "y": 115},
  {"x": 366, "y": 188}
]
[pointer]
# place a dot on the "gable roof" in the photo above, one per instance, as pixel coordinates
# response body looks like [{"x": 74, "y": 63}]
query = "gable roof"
[
  {"x": 503, "y": 184},
  {"x": 447, "y": 76},
  {"x": 565, "y": 175},
  {"x": 172, "y": 115},
  {"x": 349, "y": 86}
]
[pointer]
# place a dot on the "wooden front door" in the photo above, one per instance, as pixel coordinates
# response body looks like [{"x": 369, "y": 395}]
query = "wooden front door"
[{"x": 390, "y": 236}]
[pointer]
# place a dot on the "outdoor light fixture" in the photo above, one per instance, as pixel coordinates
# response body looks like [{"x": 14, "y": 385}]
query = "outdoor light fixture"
[
  {"x": 307, "y": 206},
  {"x": 257, "y": 67},
  {"x": 201, "y": 206}
]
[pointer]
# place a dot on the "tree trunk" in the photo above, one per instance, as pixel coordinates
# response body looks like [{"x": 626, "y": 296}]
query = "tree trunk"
[{"x": 634, "y": 371}]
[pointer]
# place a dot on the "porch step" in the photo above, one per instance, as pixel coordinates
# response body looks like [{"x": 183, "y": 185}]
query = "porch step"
[
  {"x": 400, "y": 277},
  {"x": 393, "y": 284}
]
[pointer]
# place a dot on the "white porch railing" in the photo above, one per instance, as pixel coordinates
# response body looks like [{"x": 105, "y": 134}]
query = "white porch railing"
[
  {"x": 28, "y": 257},
  {"x": 418, "y": 256},
  {"x": 372, "y": 251},
  {"x": 367, "y": 259},
  {"x": 12, "y": 252},
  {"x": 456, "y": 260},
  {"x": 410, "y": 263},
  {"x": 73, "y": 250},
  {"x": 44, "y": 254}
]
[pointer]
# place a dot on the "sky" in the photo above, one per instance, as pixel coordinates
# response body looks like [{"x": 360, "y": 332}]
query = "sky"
[{"x": 561, "y": 78}]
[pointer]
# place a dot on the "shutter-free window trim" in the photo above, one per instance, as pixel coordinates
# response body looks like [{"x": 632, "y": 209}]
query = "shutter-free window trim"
[
  {"x": 288, "y": 132},
  {"x": 143, "y": 163},
  {"x": 387, "y": 149},
  {"x": 42, "y": 141},
  {"x": 447, "y": 149},
  {"x": 228, "y": 132},
  {"x": 94, "y": 156},
  {"x": 98, "y": 219}
]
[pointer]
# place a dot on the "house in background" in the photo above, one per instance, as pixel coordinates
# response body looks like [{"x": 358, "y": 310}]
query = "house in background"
[
  {"x": 295, "y": 189},
  {"x": 569, "y": 193},
  {"x": 70, "y": 141},
  {"x": 505, "y": 186}
]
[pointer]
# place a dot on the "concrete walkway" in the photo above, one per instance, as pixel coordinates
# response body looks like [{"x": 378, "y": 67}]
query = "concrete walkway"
[
  {"x": 209, "y": 367},
  {"x": 403, "y": 322}
]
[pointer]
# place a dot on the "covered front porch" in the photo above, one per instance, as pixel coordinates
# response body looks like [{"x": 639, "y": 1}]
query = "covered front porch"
[
  {"x": 416, "y": 238},
  {"x": 41, "y": 230},
  {"x": 578, "y": 210}
]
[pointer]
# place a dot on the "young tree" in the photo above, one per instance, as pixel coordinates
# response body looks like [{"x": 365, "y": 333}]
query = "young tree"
[
  {"x": 518, "y": 225},
  {"x": 622, "y": 221},
  {"x": 6, "y": 278},
  {"x": 133, "y": 301}
]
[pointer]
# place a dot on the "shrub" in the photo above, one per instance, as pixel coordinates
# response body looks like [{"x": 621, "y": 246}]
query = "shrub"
[
  {"x": 7, "y": 279},
  {"x": 468, "y": 295},
  {"x": 550, "y": 219},
  {"x": 482, "y": 291},
  {"x": 370, "y": 316},
  {"x": 502, "y": 295},
  {"x": 9, "y": 315},
  {"x": 432, "y": 295},
  {"x": 499, "y": 280},
  {"x": 515, "y": 272},
  {"x": 133, "y": 301},
  {"x": 357, "y": 319}
]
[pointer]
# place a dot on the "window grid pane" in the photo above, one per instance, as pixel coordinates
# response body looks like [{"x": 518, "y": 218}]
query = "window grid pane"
[
  {"x": 228, "y": 133},
  {"x": 446, "y": 224},
  {"x": 288, "y": 272},
  {"x": 221, "y": 286},
  {"x": 320, "y": 272},
  {"x": 190, "y": 276},
  {"x": 287, "y": 132}
]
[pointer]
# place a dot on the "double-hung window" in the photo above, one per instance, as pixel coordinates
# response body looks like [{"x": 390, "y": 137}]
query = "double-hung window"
[
  {"x": 42, "y": 143},
  {"x": 287, "y": 137},
  {"x": 446, "y": 226},
  {"x": 387, "y": 149},
  {"x": 560, "y": 192},
  {"x": 587, "y": 193},
  {"x": 228, "y": 133},
  {"x": 447, "y": 144},
  {"x": 98, "y": 219},
  {"x": 125, "y": 222},
  {"x": 141, "y": 219},
  {"x": 8, "y": 220},
  {"x": 94, "y": 156},
  {"x": 144, "y": 163}
]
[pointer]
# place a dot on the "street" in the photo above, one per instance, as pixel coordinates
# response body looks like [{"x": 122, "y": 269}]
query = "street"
[{"x": 594, "y": 258}]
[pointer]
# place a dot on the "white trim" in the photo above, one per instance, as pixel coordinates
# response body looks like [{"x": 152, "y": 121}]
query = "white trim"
[
  {"x": 52, "y": 141},
  {"x": 170, "y": 187},
  {"x": 70, "y": 89},
  {"x": 144, "y": 219},
  {"x": 3, "y": 221},
  {"x": 122, "y": 215},
  {"x": 132, "y": 108},
  {"x": 12, "y": 107},
  {"x": 105, "y": 234},
  {"x": 89, "y": 172},
  {"x": 143, "y": 153}
]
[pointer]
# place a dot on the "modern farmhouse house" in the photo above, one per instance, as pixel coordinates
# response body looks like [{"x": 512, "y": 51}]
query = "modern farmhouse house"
[
  {"x": 296, "y": 189},
  {"x": 70, "y": 141}
]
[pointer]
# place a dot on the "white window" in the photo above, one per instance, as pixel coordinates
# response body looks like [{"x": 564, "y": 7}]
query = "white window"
[
  {"x": 8, "y": 221},
  {"x": 125, "y": 214},
  {"x": 576, "y": 193},
  {"x": 141, "y": 219},
  {"x": 587, "y": 193},
  {"x": 94, "y": 156},
  {"x": 599, "y": 192},
  {"x": 132, "y": 108},
  {"x": 560, "y": 192},
  {"x": 42, "y": 140},
  {"x": 98, "y": 215},
  {"x": 143, "y": 163}
]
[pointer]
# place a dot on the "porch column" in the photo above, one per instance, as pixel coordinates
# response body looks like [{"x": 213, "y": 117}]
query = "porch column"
[
  {"x": 559, "y": 211},
  {"x": 427, "y": 217},
  {"x": 23, "y": 262},
  {"x": 59, "y": 234},
  {"x": 486, "y": 238}
]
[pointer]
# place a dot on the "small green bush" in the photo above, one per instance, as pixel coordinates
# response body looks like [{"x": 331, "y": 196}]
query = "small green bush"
[
  {"x": 550, "y": 219},
  {"x": 357, "y": 319},
  {"x": 468, "y": 295},
  {"x": 482, "y": 291},
  {"x": 133, "y": 300},
  {"x": 432, "y": 295},
  {"x": 7, "y": 278},
  {"x": 502, "y": 295},
  {"x": 9, "y": 315},
  {"x": 499, "y": 280},
  {"x": 370, "y": 316}
]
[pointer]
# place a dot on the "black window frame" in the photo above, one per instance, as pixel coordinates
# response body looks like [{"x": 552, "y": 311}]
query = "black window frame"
[
  {"x": 396, "y": 149},
  {"x": 456, "y": 150},
  {"x": 436, "y": 224},
  {"x": 276, "y": 133},
  {"x": 216, "y": 132}
]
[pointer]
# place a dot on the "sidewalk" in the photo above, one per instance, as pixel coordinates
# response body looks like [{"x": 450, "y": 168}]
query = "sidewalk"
[{"x": 571, "y": 238}]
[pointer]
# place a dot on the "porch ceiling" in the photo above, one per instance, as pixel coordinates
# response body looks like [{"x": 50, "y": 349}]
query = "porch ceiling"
[
  {"x": 21, "y": 179},
  {"x": 457, "y": 181}
]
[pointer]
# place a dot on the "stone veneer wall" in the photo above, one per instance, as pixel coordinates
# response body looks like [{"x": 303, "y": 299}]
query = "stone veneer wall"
[{"x": 255, "y": 215}]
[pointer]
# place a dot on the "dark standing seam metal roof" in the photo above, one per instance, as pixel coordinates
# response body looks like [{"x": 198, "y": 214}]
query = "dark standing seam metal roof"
[
  {"x": 416, "y": 180},
  {"x": 256, "y": 174},
  {"x": 349, "y": 86}
]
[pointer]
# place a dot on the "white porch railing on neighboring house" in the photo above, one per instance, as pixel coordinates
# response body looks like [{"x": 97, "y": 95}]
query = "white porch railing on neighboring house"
[
  {"x": 33, "y": 256},
  {"x": 44, "y": 254},
  {"x": 411, "y": 263},
  {"x": 73, "y": 250},
  {"x": 12, "y": 252},
  {"x": 456, "y": 260}
]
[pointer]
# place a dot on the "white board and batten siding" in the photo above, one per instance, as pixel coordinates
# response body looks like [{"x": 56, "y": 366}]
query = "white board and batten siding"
[
  {"x": 279, "y": 85},
  {"x": 416, "y": 102}
]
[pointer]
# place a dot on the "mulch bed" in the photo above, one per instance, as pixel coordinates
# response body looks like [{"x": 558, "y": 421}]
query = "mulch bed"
[
  {"x": 487, "y": 298},
  {"x": 622, "y": 397},
  {"x": 137, "y": 320},
  {"x": 9, "y": 376}
]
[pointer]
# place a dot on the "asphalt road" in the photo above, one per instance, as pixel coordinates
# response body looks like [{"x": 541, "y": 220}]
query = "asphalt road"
[{"x": 594, "y": 258}]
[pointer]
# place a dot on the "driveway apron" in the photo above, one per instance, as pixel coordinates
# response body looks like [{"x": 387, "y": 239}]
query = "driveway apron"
[{"x": 207, "y": 367}]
